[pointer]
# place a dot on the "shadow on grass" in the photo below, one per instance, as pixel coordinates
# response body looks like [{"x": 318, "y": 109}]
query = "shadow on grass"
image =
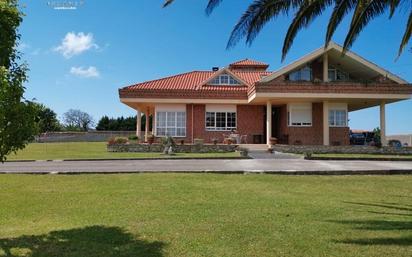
[
  {"x": 381, "y": 226},
  {"x": 93, "y": 241}
]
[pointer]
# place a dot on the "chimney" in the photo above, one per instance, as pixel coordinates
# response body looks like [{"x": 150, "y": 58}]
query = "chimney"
[{"x": 215, "y": 68}]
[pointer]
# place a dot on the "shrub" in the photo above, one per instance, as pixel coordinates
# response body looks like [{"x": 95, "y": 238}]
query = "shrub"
[
  {"x": 243, "y": 151},
  {"x": 133, "y": 137},
  {"x": 168, "y": 141},
  {"x": 215, "y": 141},
  {"x": 111, "y": 141},
  {"x": 117, "y": 141},
  {"x": 308, "y": 155}
]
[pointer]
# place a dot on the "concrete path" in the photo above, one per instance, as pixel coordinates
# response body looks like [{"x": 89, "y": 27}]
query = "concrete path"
[{"x": 285, "y": 166}]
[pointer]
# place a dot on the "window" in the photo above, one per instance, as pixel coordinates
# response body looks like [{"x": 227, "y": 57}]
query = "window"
[
  {"x": 304, "y": 74},
  {"x": 224, "y": 79},
  {"x": 300, "y": 114},
  {"x": 220, "y": 121},
  {"x": 171, "y": 124},
  {"x": 337, "y": 75},
  {"x": 338, "y": 118}
]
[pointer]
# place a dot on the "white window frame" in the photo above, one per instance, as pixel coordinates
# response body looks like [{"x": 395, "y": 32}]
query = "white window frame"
[
  {"x": 231, "y": 81},
  {"x": 299, "y": 73},
  {"x": 299, "y": 106},
  {"x": 334, "y": 108},
  {"x": 215, "y": 128},
  {"x": 166, "y": 127},
  {"x": 335, "y": 70}
]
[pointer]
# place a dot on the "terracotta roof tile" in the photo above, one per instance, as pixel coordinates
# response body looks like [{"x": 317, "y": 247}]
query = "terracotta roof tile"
[
  {"x": 191, "y": 81},
  {"x": 248, "y": 62}
]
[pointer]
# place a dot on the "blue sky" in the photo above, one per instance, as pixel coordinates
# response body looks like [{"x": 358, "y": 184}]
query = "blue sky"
[{"x": 125, "y": 42}]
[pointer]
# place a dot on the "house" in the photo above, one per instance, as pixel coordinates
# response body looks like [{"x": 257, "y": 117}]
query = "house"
[{"x": 306, "y": 102}]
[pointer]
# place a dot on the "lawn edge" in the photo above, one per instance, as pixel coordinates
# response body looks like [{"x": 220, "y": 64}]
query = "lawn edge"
[
  {"x": 136, "y": 159},
  {"x": 234, "y": 172},
  {"x": 356, "y": 159}
]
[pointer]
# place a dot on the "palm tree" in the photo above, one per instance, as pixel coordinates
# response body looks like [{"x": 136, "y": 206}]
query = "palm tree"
[{"x": 304, "y": 12}]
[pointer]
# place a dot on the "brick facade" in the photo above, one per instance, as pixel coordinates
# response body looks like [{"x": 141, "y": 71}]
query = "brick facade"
[
  {"x": 312, "y": 135},
  {"x": 251, "y": 121}
]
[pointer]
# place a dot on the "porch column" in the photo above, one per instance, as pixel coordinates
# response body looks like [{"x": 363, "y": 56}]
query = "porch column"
[
  {"x": 146, "y": 134},
  {"x": 383, "y": 123},
  {"x": 138, "y": 124},
  {"x": 325, "y": 123},
  {"x": 325, "y": 67},
  {"x": 268, "y": 122}
]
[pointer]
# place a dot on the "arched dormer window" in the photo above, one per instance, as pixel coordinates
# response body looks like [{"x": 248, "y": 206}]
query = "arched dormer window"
[{"x": 224, "y": 79}]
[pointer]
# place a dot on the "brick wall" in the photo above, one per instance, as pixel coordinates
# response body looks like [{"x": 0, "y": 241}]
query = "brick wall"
[
  {"x": 312, "y": 135},
  {"x": 249, "y": 122},
  {"x": 339, "y": 136}
]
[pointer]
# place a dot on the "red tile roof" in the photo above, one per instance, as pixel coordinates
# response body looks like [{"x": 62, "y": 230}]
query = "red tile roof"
[
  {"x": 247, "y": 62},
  {"x": 192, "y": 80},
  {"x": 193, "y": 84}
]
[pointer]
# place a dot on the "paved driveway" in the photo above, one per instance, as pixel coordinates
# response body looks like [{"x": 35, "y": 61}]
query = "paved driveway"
[{"x": 298, "y": 166}]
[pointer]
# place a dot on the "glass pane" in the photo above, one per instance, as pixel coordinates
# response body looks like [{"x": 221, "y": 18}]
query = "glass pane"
[
  {"x": 332, "y": 118},
  {"x": 215, "y": 81},
  {"x": 341, "y": 76},
  {"x": 161, "y": 131},
  {"x": 181, "y": 132},
  {"x": 171, "y": 119},
  {"x": 231, "y": 120},
  {"x": 306, "y": 74},
  {"x": 181, "y": 119},
  {"x": 210, "y": 119},
  {"x": 331, "y": 74},
  {"x": 224, "y": 79},
  {"x": 221, "y": 120},
  {"x": 161, "y": 119}
]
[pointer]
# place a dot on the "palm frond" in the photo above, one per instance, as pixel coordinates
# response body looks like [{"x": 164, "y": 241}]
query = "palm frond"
[
  {"x": 340, "y": 10},
  {"x": 394, "y": 4},
  {"x": 308, "y": 11},
  {"x": 167, "y": 3},
  {"x": 406, "y": 35},
  {"x": 256, "y": 16},
  {"x": 212, "y": 5},
  {"x": 365, "y": 11}
]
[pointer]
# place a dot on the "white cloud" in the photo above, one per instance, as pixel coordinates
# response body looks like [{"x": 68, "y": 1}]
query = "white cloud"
[
  {"x": 23, "y": 46},
  {"x": 74, "y": 44},
  {"x": 82, "y": 72}
]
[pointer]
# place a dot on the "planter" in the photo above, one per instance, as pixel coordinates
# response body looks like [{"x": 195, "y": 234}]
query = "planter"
[
  {"x": 150, "y": 140},
  {"x": 273, "y": 141}
]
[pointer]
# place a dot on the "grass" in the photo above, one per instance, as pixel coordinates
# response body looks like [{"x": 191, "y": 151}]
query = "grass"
[
  {"x": 205, "y": 215},
  {"x": 93, "y": 150},
  {"x": 360, "y": 156}
]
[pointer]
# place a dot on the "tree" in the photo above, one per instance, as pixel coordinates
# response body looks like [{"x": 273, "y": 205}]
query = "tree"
[
  {"x": 120, "y": 123},
  {"x": 78, "y": 120},
  {"x": 103, "y": 123},
  {"x": 304, "y": 13},
  {"x": 117, "y": 124},
  {"x": 46, "y": 119},
  {"x": 17, "y": 115}
]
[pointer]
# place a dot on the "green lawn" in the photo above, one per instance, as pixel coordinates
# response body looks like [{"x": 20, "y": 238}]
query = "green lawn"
[
  {"x": 93, "y": 150},
  {"x": 383, "y": 156},
  {"x": 205, "y": 215}
]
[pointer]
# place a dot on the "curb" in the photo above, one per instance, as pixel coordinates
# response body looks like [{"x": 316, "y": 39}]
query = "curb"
[
  {"x": 137, "y": 159},
  {"x": 357, "y": 159},
  {"x": 245, "y": 172}
]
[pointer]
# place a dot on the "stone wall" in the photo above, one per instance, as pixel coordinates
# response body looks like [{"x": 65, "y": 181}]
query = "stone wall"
[
  {"x": 90, "y": 136},
  {"x": 144, "y": 148},
  {"x": 301, "y": 149}
]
